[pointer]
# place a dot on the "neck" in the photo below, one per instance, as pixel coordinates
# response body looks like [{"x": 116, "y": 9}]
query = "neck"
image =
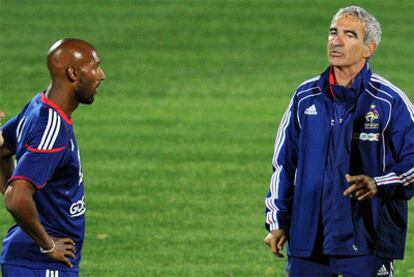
[
  {"x": 62, "y": 97},
  {"x": 345, "y": 75}
]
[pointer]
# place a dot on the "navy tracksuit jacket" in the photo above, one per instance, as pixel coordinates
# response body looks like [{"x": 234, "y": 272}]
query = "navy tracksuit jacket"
[{"x": 365, "y": 129}]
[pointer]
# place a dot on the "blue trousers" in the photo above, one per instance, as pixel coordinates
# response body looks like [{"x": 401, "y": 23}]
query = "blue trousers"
[
  {"x": 18, "y": 271},
  {"x": 347, "y": 266}
]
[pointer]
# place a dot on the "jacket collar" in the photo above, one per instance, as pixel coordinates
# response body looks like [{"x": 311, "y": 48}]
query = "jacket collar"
[{"x": 359, "y": 84}]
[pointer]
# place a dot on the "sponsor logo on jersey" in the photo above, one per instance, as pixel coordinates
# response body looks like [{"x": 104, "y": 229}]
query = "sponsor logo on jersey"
[
  {"x": 367, "y": 136},
  {"x": 78, "y": 208}
]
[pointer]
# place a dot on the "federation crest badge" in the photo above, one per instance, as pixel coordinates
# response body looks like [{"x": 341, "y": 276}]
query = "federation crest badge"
[{"x": 371, "y": 118}]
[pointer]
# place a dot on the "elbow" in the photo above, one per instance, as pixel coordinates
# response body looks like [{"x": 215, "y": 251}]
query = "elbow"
[
  {"x": 19, "y": 198},
  {"x": 11, "y": 201},
  {"x": 8, "y": 200}
]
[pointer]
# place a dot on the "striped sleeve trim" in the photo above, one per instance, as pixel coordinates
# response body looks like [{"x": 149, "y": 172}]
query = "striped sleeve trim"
[
  {"x": 20, "y": 127},
  {"x": 274, "y": 226},
  {"x": 404, "y": 179},
  {"x": 408, "y": 177},
  {"x": 51, "y": 131},
  {"x": 35, "y": 150},
  {"x": 271, "y": 216}
]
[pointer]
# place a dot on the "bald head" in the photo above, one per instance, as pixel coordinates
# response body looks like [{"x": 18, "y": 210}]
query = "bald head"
[
  {"x": 69, "y": 52},
  {"x": 75, "y": 71}
]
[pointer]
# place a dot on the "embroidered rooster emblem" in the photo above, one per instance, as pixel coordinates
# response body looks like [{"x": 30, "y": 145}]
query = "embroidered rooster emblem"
[{"x": 372, "y": 115}]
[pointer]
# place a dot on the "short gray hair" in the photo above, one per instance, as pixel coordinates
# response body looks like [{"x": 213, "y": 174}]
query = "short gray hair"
[{"x": 372, "y": 26}]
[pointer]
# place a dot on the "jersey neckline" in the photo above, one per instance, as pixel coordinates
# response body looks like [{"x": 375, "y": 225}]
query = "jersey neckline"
[{"x": 50, "y": 103}]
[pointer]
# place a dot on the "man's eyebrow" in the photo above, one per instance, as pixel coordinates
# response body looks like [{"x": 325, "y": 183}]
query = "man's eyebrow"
[{"x": 333, "y": 29}]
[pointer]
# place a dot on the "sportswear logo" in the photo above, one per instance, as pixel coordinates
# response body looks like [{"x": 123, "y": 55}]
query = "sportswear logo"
[
  {"x": 52, "y": 273},
  {"x": 311, "y": 110},
  {"x": 383, "y": 271}
]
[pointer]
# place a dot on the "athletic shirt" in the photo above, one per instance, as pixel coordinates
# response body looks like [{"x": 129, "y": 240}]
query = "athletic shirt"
[{"x": 47, "y": 156}]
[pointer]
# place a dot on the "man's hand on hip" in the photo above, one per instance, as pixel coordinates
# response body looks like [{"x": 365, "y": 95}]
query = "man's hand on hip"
[{"x": 63, "y": 249}]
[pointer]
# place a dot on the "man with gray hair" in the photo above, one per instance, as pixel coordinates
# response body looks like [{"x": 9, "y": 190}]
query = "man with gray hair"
[{"x": 343, "y": 166}]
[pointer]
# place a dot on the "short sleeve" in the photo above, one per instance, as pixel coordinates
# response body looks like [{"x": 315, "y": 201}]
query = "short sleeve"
[
  {"x": 9, "y": 133},
  {"x": 12, "y": 130},
  {"x": 44, "y": 141}
]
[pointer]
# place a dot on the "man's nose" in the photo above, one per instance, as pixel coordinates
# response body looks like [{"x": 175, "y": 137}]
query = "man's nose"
[
  {"x": 337, "y": 40},
  {"x": 102, "y": 74}
]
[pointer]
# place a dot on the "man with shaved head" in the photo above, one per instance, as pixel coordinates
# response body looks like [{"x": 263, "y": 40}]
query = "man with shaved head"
[{"x": 44, "y": 192}]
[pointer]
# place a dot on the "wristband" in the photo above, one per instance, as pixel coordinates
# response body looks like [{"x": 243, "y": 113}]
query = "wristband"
[{"x": 50, "y": 250}]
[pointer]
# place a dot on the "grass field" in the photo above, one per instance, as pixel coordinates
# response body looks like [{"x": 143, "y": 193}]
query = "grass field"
[{"x": 177, "y": 147}]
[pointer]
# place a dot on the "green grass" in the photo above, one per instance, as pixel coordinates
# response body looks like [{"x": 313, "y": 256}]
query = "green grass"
[{"x": 177, "y": 147}]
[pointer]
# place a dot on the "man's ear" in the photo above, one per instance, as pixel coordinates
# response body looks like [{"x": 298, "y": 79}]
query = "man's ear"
[
  {"x": 71, "y": 73},
  {"x": 370, "y": 50}
]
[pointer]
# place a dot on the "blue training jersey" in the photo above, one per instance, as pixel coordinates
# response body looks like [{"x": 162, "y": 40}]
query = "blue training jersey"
[{"x": 47, "y": 156}]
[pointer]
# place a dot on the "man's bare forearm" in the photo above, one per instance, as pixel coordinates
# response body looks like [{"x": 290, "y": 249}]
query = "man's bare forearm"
[
  {"x": 19, "y": 202},
  {"x": 6, "y": 167}
]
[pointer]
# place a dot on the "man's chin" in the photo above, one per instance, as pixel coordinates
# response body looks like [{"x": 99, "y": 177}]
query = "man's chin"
[
  {"x": 87, "y": 101},
  {"x": 335, "y": 61}
]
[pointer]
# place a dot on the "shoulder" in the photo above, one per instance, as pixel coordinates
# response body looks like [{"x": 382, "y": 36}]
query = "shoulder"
[
  {"x": 47, "y": 129},
  {"x": 384, "y": 88},
  {"x": 307, "y": 87},
  {"x": 381, "y": 88}
]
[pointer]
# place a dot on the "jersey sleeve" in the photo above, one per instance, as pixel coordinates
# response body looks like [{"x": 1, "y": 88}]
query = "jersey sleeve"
[
  {"x": 279, "y": 197},
  {"x": 397, "y": 181},
  {"x": 9, "y": 133},
  {"x": 12, "y": 129},
  {"x": 45, "y": 141}
]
